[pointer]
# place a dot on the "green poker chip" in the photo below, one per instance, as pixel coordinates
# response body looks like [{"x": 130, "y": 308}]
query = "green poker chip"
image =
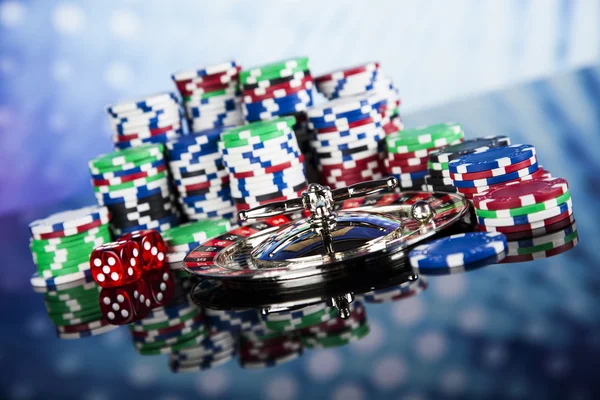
[
  {"x": 71, "y": 306},
  {"x": 428, "y": 134},
  {"x": 279, "y": 69},
  {"x": 437, "y": 166},
  {"x": 75, "y": 318},
  {"x": 65, "y": 270},
  {"x": 183, "y": 342},
  {"x": 136, "y": 155},
  {"x": 208, "y": 95},
  {"x": 258, "y": 129},
  {"x": 126, "y": 167},
  {"x": 140, "y": 326},
  {"x": 525, "y": 210},
  {"x": 231, "y": 144},
  {"x": 130, "y": 184},
  {"x": 400, "y": 149},
  {"x": 46, "y": 246},
  {"x": 195, "y": 231}
]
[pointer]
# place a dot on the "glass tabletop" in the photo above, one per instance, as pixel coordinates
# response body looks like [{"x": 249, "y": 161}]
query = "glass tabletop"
[{"x": 528, "y": 330}]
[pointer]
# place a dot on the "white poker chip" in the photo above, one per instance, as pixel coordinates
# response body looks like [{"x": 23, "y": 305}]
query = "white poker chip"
[{"x": 71, "y": 221}]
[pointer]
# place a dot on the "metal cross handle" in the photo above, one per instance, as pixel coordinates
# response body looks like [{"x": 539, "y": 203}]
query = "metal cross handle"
[{"x": 318, "y": 199}]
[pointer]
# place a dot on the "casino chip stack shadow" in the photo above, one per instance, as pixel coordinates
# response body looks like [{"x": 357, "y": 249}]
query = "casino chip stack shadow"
[{"x": 211, "y": 95}]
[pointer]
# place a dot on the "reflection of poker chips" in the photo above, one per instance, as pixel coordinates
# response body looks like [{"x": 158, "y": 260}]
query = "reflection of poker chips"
[
  {"x": 276, "y": 89},
  {"x": 297, "y": 319},
  {"x": 408, "y": 150},
  {"x": 395, "y": 293},
  {"x": 210, "y": 95},
  {"x": 136, "y": 198},
  {"x": 264, "y": 162},
  {"x": 337, "y": 339},
  {"x": 554, "y": 251},
  {"x": 269, "y": 351},
  {"x": 458, "y": 253},
  {"x": 233, "y": 321},
  {"x": 75, "y": 310},
  {"x": 554, "y": 226},
  {"x": 62, "y": 243},
  {"x": 201, "y": 151},
  {"x": 155, "y": 119}
]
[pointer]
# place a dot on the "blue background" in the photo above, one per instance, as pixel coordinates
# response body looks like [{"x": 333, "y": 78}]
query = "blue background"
[{"x": 517, "y": 331}]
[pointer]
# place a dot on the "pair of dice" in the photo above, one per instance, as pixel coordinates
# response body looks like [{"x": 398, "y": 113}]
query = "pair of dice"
[{"x": 133, "y": 275}]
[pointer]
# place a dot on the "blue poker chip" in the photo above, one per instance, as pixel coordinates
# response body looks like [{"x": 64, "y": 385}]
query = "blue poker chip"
[
  {"x": 162, "y": 138},
  {"x": 258, "y": 163},
  {"x": 203, "y": 137},
  {"x": 275, "y": 188},
  {"x": 459, "y": 252},
  {"x": 342, "y": 92},
  {"x": 224, "y": 193},
  {"x": 199, "y": 112},
  {"x": 497, "y": 179},
  {"x": 277, "y": 152},
  {"x": 233, "y": 321},
  {"x": 492, "y": 158},
  {"x": 275, "y": 181},
  {"x": 205, "y": 178},
  {"x": 149, "y": 104},
  {"x": 199, "y": 151},
  {"x": 285, "y": 103},
  {"x": 256, "y": 152},
  {"x": 333, "y": 120},
  {"x": 122, "y": 128},
  {"x": 152, "y": 116},
  {"x": 350, "y": 81}
]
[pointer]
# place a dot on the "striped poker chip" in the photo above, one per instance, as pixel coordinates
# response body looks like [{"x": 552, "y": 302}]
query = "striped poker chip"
[
  {"x": 341, "y": 339},
  {"x": 542, "y": 254},
  {"x": 290, "y": 315},
  {"x": 457, "y": 251},
  {"x": 157, "y": 333},
  {"x": 251, "y": 362},
  {"x": 302, "y": 322},
  {"x": 520, "y": 194},
  {"x": 527, "y": 218},
  {"x": 497, "y": 179},
  {"x": 543, "y": 243},
  {"x": 143, "y": 105},
  {"x": 67, "y": 223},
  {"x": 164, "y": 323},
  {"x": 541, "y": 231},
  {"x": 491, "y": 159},
  {"x": 497, "y": 172},
  {"x": 448, "y": 153},
  {"x": 43, "y": 284},
  {"x": 204, "y": 363},
  {"x": 165, "y": 337},
  {"x": 233, "y": 321},
  {"x": 402, "y": 291},
  {"x": 85, "y": 333}
]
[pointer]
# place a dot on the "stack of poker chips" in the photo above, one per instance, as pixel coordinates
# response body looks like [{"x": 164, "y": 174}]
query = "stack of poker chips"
[
  {"x": 535, "y": 215},
  {"x": 61, "y": 245},
  {"x": 182, "y": 239},
  {"x": 154, "y": 119},
  {"x": 480, "y": 171},
  {"x": 408, "y": 152},
  {"x": 210, "y": 95},
  {"x": 438, "y": 179},
  {"x": 359, "y": 80},
  {"x": 133, "y": 184},
  {"x": 346, "y": 136},
  {"x": 199, "y": 175},
  {"x": 276, "y": 89},
  {"x": 264, "y": 162},
  {"x": 269, "y": 350},
  {"x": 177, "y": 326}
]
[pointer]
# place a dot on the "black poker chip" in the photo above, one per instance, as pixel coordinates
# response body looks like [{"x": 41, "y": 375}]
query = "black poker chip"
[
  {"x": 267, "y": 197},
  {"x": 437, "y": 181},
  {"x": 448, "y": 153},
  {"x": 272, "y": 82},
  {"x": 443, "y": 188}
]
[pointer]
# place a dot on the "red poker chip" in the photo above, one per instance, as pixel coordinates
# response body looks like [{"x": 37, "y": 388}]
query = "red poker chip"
[
  {"x": 213, "y": 79},
  {"x": 152, "y": 132},
  {"x": 371, "y": 166},
  {"x": 494, "y": 172},
  {"x": 544, "y": 230},
  {"x": 521, "y": 193},
  {"x": 167, "y": 330},
  {"x": 351, "y": 125},
  {"x": 79, "y": 229},
  {"x": 542, "y": 254},
  {"x": 203, "y": 88},
  {"x": 288, "y": 87},
  {"x": 413, "y": 154},
  {"x": 128, "y": 178},
  {"x": 88, "y": 326},
  {"x": 249, "y": 99},
  {"x": 269, "y": 170},
  {"x": 527, "y": 227},
  {"x": 539, "y": 174},
  {"x": 406, "y": 162},
  {"x": 349, "y": 165},
  {"x": 344, "y": 73}
]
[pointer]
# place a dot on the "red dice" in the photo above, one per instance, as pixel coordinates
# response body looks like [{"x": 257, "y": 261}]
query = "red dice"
[
  {"x": 151, "y": 245},
  {"x": 117, "y": 263},
  {"x": 126, "y": 304}
]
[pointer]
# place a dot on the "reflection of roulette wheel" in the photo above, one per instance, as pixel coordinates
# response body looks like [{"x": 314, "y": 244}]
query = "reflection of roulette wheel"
[{"x": 327, "y": 245}]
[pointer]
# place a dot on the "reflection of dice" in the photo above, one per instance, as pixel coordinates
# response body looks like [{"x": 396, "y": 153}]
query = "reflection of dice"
[
  {"x": 117, "y": 305},
  {"x": 152, "y": 246},
  {"x": 116, "y": 264},
  {"x": 162, "y": 286},
  {"x": 126, "y": 304}
]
